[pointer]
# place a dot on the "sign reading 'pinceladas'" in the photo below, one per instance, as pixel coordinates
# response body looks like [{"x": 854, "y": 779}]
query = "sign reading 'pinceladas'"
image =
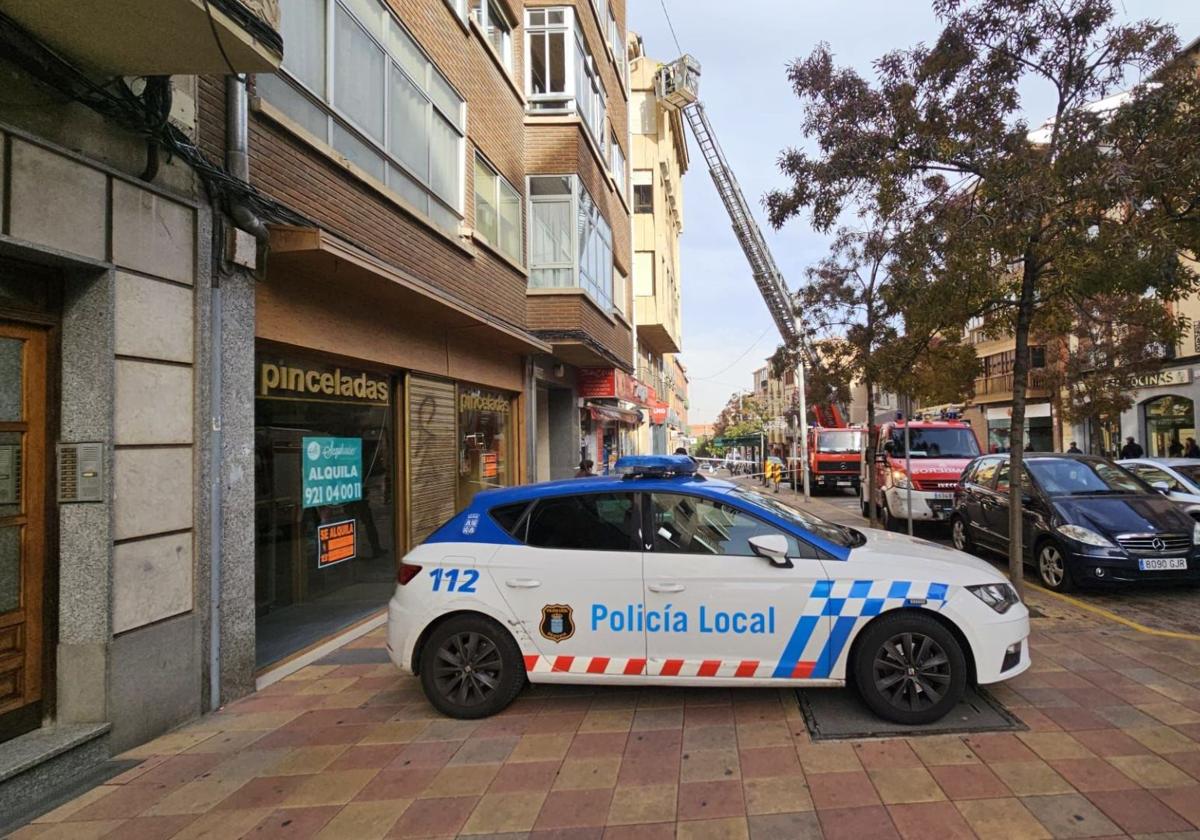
[
  {"x": 332, "y": 470},
  {"x": 323, "y": 383}
]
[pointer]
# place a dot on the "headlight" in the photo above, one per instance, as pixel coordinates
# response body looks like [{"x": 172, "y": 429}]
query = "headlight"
[
  {"x": 1085, "y": 535},
  {"x": 998, "y": 596},
  {"x": 900, "y": 479}
]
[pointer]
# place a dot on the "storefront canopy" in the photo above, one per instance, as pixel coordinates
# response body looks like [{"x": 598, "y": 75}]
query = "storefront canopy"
[{"x": 614, "y": 414}]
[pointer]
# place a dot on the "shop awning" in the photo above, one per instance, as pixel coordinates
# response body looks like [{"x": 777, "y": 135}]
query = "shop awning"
[
  {"x": 312, "y": 250},
  {"x": 614, "y": 414}
]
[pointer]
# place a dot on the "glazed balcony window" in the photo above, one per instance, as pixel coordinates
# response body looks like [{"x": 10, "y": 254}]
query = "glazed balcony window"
[
  {"x": 497, "y": 211},
  {"x": 570, "y": 242},
  {"x": 496, "y": 29},
  {"x": 561, "y": 76},
  {"x": 357, "y": 81}
]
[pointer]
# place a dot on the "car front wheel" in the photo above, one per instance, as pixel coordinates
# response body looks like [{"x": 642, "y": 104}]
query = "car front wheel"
[
  {"x": 909, "y": 668},
  {"x": 1052, "y": 568},
  {"x": 471, "y": 667},
  {"x": 960, "y": 535}
]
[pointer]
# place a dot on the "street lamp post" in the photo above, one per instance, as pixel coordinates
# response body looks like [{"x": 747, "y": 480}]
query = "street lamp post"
[{"x": 803, "y": 429}]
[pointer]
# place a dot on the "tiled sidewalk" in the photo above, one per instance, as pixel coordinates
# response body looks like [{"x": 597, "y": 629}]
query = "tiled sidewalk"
[{"x": 353, "y": 751}]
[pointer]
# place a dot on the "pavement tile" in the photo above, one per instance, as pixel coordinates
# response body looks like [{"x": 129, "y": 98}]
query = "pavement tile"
[
  {"x": 943, "y": 750},
  {"x": 881, "y": 755},
  {"x": 67, "y": 809},
  {"x": 424, "y": 754},
  {"x": 222, "y": 825},
  {"x": 196, "y": 797},
  {"x": 368, "y": 756},
  {"x": 776, "y": 795},
  {"x": 574, "y": 809},
  {"x": 1106, "y": 742},
  {"x": 793, "y": 826},
  {"x": 433, "y": 817},
  {"x": 308, "y": 759},
  {"x": 588, "y": 773},
  {"x": 828, "y": 757},
  {"x": 364, "y": 820},
  {"x": 641, "y": 831},
  {"x": 264, "y": 792},
  {"x": 527, "y": 776},
  {"x": 394, "y": 732},
  {"x": 1054, "y": 745},
  {"x": 1139, "y": 812},
  {"x": 293, "y": 823},
  {"x": 1000, "y": 747},
  {"x": 658, "y": 744},
  {"x": 709, "y": 765},
  {"x": 709, "y": 800},
  {"x": 177, "y": 769},
  {"x": 716, "y": 736},
  {"x": 461, "y": 780},
  {"x": 922, "y": 820},
  {"x": 760, "y": 762},
  {"x": 643, "y": 804},
  {"x": 1163, "y": 739},
  {"x": 597, "y": 744},
  {"x": 482, "y": 750},
  {"x": 1187, "y": 762},
  {"x": 905, "y": 784},
  {"x": 1090, "y": 774},
  {"x": 647, "y": 770},
  {"x": 1001, "y": 819},
  {"x": 974, "y": 781},
  {"x": 1184, "y": 801},
  {"x": 1030, "y": 778},
  {"x": 1125, "y": 716},
  {"x": 1170, "y": 712},
  {"x": 670, "y": 718},
  {"x": 121, "y": 802},
  {"x": 716, "y": 715},
  {"x": 763, "y": 734},
  {"x": 731, "y": 828},
  {"x": 408, "y": 783},
  {"x": 501, "y": 812},
  {"x": 842, "y": 790},
  {"x": 89, "y": 830},
  {"x": 1150, "y": 771},
  {"x": 872, "y": 821},
  {"x": 151, "y": 828},
  {"x": 607, "y": 720},
  {"x": 1070, "y": 815}
]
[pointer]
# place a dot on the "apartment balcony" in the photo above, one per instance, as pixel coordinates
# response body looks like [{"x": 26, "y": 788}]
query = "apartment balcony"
[
  {"x": 157, "y": 37},
  {"x": 580, "y": 332},
  {"x": 994, "y": 389},
  {"x": 657, "y": 324}
]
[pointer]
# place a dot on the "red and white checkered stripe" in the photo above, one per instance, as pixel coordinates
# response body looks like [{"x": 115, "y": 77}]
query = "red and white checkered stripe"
[{"x": 536, "y": 664}]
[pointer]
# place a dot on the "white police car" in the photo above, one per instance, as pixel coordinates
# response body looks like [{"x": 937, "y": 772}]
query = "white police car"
[{"x": 663, "y": 577}]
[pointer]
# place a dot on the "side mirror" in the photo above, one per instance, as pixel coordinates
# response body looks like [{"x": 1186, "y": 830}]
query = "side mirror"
[
  {"x": 1161, "y": 487},
  {"x": 772, "y": 547},
  {"x": 889, "y": 447}
]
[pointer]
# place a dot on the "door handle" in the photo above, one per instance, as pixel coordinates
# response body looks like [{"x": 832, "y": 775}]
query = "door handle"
[
  {"x": 666, "y": 587},
  {"x": 522, "y": 583}
]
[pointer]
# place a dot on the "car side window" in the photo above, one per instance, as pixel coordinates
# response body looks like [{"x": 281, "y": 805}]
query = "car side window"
[
  {"x": 985, "y": 471},
  {"x": 1151, "y": 475},
  {"x": 595, "y": 521},
  {"x": 1002, "y": 482},
  {"x": 693, "y": 525}
]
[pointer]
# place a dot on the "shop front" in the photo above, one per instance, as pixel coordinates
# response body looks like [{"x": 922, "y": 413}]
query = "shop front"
[
  {"x": 1039, "y": 428},
  {"x": 615, "y": 405}
]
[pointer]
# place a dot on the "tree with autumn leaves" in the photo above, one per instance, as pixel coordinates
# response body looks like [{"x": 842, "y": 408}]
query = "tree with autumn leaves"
[{"x": 1016, "y": 226}]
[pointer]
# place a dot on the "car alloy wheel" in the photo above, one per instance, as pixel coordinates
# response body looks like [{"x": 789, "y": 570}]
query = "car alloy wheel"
[
  {"x": 470, "y": 667},
  {"x": 467, "y": 669},
  {"x": 912, "y": 672},
  {"x": 958, "y": 532},
  {"x": 1052, "y": 567}
]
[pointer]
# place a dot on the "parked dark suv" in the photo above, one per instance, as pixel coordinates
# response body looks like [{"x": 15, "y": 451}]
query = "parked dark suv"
[{"x": 1087, "y": 521}]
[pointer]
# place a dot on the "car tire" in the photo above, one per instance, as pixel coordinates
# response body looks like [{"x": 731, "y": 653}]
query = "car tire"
[
  {"x": 864, "y": 506},
  {"x": 1051, "y": 563},
  {"x": 471, "y": 667},
  {"x": 960, "y": 534},
  {"x": 890, "y": 523},
  {"x": 902, "y": 660}
]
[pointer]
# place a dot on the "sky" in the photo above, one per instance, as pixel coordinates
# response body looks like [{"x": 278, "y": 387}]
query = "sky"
[{"x": 744, "y": 49}]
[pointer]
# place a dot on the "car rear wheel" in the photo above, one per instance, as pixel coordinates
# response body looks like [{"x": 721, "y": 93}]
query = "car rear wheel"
[
  {"x": 909, "y": 668},
  {"x": 1052, "y": 568},
  {"x": 471, "y": 667},
  {"x": 960, "y": 535}
]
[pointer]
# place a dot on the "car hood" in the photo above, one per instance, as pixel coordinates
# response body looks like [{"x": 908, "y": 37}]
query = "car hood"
[
  {"x": 900, "y": 556},
  {"x": 1132, "y": 514}
]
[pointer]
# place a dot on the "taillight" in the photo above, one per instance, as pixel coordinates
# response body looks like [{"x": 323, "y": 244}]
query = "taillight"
[{"x": 407, "y": 572}]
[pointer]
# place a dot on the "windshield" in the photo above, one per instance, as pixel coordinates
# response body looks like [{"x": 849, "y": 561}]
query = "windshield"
[
  {"x": 832, "y": 532},
  {"x": 840, "y": 441},
  {"x": 1189, "y": 471},
  {"x": 1069, "y": 477},
  {"x": 942, "y": 442}
]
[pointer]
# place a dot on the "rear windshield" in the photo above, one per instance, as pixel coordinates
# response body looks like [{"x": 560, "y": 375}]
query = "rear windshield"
[
  {"x": 936, "y": 443},
  {"x": 1069, "y": 477},
  {"x": 823, "y": 528},
  {"x": 841, "y": 441}
]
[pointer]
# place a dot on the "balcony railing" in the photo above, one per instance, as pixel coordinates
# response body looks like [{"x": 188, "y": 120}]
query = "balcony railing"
[{"x": 1002, "y": 384}]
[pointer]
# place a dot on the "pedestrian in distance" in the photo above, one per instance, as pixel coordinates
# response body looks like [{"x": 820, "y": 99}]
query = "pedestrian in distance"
[
  {"x": 679, "y": 450},
  {"x": 1074, "y": 450},
  {"x": 585, "y": 469},
  {"x": 1131, "y": 449},
  {"x": 1191, "y": 450},
  {"x": 1175, "y": 450}
]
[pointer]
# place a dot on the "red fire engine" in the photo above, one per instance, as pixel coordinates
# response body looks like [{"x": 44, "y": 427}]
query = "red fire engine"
[
  {"x": 833, "y": 454},
  {"x": 939, "y": 451}
]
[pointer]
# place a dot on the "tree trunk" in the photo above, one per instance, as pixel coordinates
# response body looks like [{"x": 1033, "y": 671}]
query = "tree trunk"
[
  {"x": 1016, "y": 433},
  {"x": 868, "y": 487}
]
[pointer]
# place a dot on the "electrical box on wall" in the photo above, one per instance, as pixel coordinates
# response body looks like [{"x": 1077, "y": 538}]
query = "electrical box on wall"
[{"x": 80, "y": 472}]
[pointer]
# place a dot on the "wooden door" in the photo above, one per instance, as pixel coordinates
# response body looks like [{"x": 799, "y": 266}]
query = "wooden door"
[{"x": 22, "y": 524}]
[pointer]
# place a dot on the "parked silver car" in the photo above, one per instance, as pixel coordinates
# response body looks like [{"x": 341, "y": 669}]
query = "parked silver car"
[{"x": 1177, "y": 478}]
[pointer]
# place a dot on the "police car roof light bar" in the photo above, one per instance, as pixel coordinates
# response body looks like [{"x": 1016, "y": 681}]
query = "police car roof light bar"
[{"x": 656, "y": 466}]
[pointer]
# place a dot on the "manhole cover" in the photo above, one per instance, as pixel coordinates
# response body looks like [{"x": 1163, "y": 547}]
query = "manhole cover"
[{"x": 833, "y": 713}]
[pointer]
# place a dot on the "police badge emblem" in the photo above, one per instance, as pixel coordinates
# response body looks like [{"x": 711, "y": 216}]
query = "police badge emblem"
[{"x": 557, "y": 625}]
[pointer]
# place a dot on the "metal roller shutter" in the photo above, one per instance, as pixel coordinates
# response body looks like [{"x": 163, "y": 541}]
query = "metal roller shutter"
[{"x": 432, "y": 449}]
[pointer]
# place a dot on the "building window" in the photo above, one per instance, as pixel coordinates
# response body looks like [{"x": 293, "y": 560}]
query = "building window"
[
  {"x": 643, "y": 198},
  {"x": 570, "y": 242},
  {"x": 459, "y": 7},
  {"x": 497, "y": 211},
  {"x": 616, "y": 162},
  {"x": 496, "y": 28},
  {"x": 484, "y": 441},
  {"x": 373, "y": 95},
  {"x": 620, "y": 289},
  {"x": 561, "y": 73}
]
